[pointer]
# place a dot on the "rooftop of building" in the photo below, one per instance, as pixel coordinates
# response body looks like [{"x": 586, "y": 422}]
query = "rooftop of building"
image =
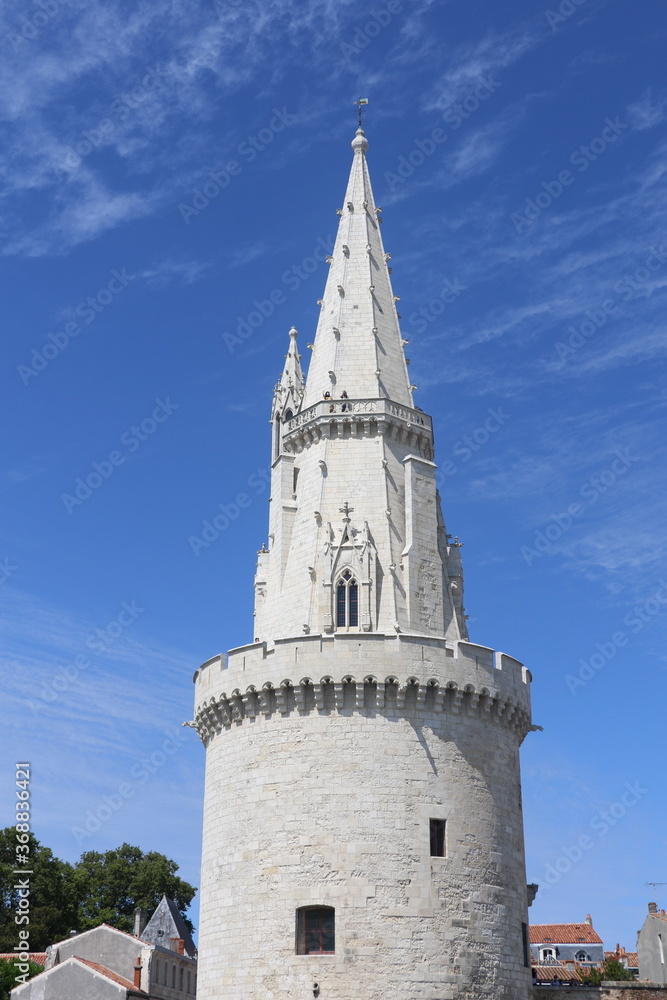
[
  {"x": 113, "y": 976},
  {"x": 564, "y": 934}
]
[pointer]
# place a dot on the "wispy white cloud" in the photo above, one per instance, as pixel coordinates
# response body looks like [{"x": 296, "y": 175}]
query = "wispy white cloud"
[
  {"x": 468, "y": 64},
  {"x": 645, "y": 113},
  {"x": 164, "y": 272}
]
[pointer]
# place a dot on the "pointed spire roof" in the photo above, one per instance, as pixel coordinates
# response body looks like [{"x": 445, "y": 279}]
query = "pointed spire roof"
[
  {"x": 358, "y": 345},
  {"x": 289, "y": 389},
  {"x": 166, "y": 924}
]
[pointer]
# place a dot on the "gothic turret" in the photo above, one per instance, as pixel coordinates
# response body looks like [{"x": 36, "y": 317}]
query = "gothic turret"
[{"x": 354, "y": 539}]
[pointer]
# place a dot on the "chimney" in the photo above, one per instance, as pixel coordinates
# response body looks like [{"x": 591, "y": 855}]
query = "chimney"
[
  {"x": 177, "y": 944},
  {"x": 140, "y": 921},
  {"x": 652, "y": 907},
  {"x": 589, "y": 920},
  {"x": 137, "y": 973}
]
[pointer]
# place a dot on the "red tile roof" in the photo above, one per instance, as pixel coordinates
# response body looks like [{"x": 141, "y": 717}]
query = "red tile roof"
[
  {"x": 563, "y": 934},
  {"x": 38, "y": 957},
  {"x": 111, "y": 975},
  {"x": 547, "y": 973},
  {"x": 622, "y": 955}
]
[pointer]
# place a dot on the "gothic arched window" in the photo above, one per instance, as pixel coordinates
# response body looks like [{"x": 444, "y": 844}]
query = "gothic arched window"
[{"x": 347, "y": 601}]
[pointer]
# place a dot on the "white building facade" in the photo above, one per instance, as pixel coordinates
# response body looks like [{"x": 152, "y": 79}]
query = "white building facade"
[{"x": 363, "y": 833}]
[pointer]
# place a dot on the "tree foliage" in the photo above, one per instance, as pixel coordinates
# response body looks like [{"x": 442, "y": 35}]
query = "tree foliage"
[
  {"x": 97, "y": 889},
  {"x": 8, "y": 975},
  {"x": 109, "y": 886},
  {"x": 611, "y": 971},
  {"x": 53, "y": 905}
]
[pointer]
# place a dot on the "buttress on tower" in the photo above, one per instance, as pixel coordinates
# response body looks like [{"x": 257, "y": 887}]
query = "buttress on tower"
[{"x": 363, "y": 834}]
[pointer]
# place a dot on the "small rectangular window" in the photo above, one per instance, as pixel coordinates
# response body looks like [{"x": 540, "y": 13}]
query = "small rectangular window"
[
  {"x": 437, "y": 838},
  {"x": 315, "y": 930}
]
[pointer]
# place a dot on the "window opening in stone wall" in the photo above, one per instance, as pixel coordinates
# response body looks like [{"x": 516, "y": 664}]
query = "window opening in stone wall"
[
  {"x": 526, "y": 945},
  {"x": 180, "y": 978},
  {"x": 315, "y": 930},
  {"x": 347, "y": 602},
  {"x": 437, "y": 838},
  {"x": 173, "y": 977},
  {"x": 295, "y": 479}
]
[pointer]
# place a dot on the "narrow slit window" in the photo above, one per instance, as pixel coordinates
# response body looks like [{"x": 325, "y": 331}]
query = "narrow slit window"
[
  {"x": 526, "y": 945},
  {"x": 315, "y": 930},
  {"x": 437, "y": 831}
]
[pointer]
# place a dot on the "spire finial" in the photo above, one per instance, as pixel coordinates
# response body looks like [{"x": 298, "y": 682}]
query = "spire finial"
[{"x": 361, "y": 104}]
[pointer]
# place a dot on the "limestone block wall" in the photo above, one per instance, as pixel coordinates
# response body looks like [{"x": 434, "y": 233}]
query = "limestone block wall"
[
  {"x": 320, "y": 793},
  {"x": 356, "y": 456}
]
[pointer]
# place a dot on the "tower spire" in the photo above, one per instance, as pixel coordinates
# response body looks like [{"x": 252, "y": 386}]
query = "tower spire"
[{"x": 358, "y": 346}]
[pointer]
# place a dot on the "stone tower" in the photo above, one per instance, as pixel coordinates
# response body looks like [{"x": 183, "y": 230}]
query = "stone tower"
[{"x": 363, "y": 834}]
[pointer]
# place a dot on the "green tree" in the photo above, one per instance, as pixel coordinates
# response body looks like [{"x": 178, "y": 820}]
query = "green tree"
[
  {"x": 109, "y": 886},
  {"x": 611, "y": 971},
  {"x": 8, "y": 975},
  {"x": 98, "y": 889},
  {"x": 53, "y": 905}
]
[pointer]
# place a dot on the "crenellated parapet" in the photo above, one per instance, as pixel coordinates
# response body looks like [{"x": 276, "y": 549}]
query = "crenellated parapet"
[{"x": 383, "y": 675}]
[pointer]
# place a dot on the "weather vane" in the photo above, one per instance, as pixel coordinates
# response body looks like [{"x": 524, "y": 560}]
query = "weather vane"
[{"x": 361, "y": 107}]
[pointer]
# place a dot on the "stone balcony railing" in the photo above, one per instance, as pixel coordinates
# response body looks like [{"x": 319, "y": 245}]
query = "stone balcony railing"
[{"x": 336, "y": 417}]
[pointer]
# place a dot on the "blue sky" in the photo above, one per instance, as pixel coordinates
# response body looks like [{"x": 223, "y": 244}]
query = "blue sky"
[{"x": 169, "y": 171}]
